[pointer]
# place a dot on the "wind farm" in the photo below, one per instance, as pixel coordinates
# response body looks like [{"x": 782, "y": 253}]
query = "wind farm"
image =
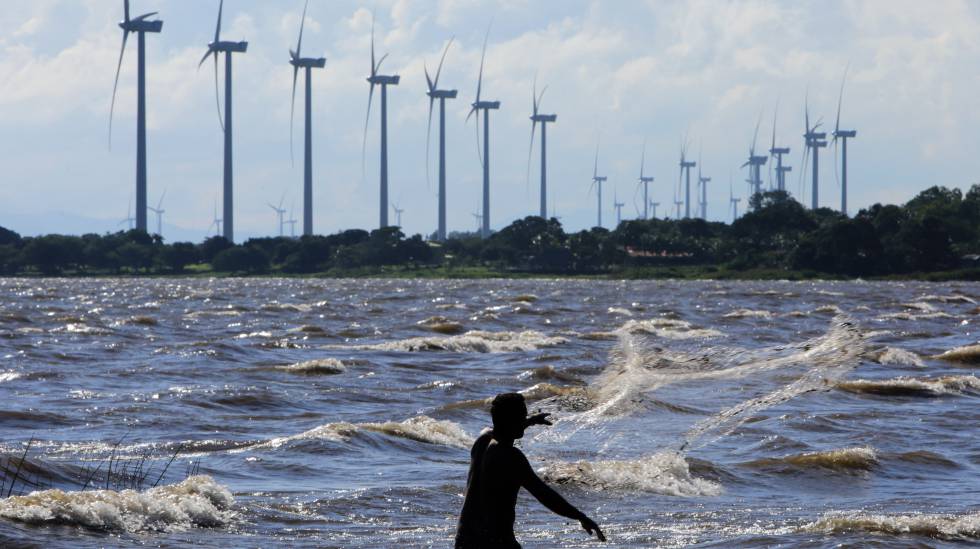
[{"x": 291, "y": 330}]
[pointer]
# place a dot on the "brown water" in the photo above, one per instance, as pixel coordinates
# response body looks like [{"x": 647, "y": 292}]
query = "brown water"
[{"x": 339, "y": 413}]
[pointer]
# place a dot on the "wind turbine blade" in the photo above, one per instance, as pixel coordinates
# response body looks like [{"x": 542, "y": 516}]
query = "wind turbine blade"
[
  {"x": 299, "y": 43},
  {"x": 479, "y": 151},
  {"x": 217, "y": 28},
  {"x": 217, "y": 94},
  {"x": 643, "y": 156},
  {"x": 428, "y": 135},
  {"x": 126, "y": 10},
  {"x": 112, "y": 104},
  {"x": 441, "y": 60},
  {"x": 755, "y": 136},
  {"x": 534, "y": 95},
  {"x": 292, "y": 110},
  {"x": 840, "y": 99},
  {"x": 530, "y": 152},
  {"x": 483, "y": 56},
  {"x": 367, "y": 120},
  {"x": 595, "y": 166},
  {"x": 160, "y": 203}
]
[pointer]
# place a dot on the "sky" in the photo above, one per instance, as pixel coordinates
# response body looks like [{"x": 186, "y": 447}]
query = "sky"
[{"x": 620, "y": 74}]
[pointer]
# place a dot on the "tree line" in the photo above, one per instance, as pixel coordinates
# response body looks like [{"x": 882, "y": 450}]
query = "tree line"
[{"x": 938, "y": 230}]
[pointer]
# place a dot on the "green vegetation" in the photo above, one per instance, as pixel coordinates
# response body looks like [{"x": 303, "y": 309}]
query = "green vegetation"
[{"x": 933, "y": 236}]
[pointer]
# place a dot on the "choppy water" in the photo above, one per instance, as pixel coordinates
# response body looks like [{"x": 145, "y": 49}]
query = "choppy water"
[{"x": 339, "y": 413}]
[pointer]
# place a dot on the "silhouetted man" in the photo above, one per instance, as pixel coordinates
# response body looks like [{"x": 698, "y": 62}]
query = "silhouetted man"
[{"x": 497, "y": 472}]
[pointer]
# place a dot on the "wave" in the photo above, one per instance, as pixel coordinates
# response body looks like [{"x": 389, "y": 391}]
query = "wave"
[
  {"x": 967, "y": 354},
  {"x": 475, "y": 341},
  {"x": 321, "y": 366},
  {"x": 419, "y": 428},
  {"x": 442, "y": 325},
  {"x": 841, "y": 460},
  {"x": 955, "y": 298},
  {"x": 197, "y": 501},
  {"x": 666, "y": 328},
  {"x": 944, "y": 527},
  {"x": 549, "y": 372},
  {"x": 894, "y": 356},
  {"x": 8, "y": 376},
  {"x": 748, "y": 313},
  {"x": 539, "y": 391},
  {"x": 665, "y": 473},
  {"x": 910, "y": 386}
]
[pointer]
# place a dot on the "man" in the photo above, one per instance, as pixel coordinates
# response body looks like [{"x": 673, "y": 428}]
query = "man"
[{"x": 497, "y": 472}]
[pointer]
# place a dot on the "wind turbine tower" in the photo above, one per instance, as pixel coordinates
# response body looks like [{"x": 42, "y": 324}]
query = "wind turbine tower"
[
  {"x": 159, "y": 211},
  {"x": 215, "y": 48},
  {"x": 140, "y": 26},
  {"x": 843, "y": 136},
  {"x": 597, "y": 181},
  {"x": 292, "y": 221},
  {"x": 686, "y": 170},
  {"x": 653, "y": 206},
  {"x": 777, "y": 153},
  {"x": 544, "y": 120},
  {"x": 733, "y": 201},
  {"x": 486, "y": 107},
  {"x": 307, "y": 64},
  {"x": 814, "y": 141},
  {"x": 619, "y": 209},
  {"x": 384, "y": 81},
  {"x": 435, "y": 93},
  {"x": 280, "y": 212},
  {"x": 215, "y": 221},
  {"x": 703, "y": 184},
  {"x": 129, "y": 220},
  {"x": 645, "y": 182},
  {"x": 755, "y": 163},
  {"x": 398, "y": 214}
]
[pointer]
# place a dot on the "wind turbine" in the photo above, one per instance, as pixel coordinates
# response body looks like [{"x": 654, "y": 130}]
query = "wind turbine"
[
  {"x": 597, "y": 180},
  {"x": 479, "y": 221},
  {"x": 732, "y": 200},
  {"x": 544, "y": 120},
  {"x": 129, "y": 215},
  {"x": 308, "y": 64},
  {"x": 686, "y": 169},
  {"x": 777, "y": 153},
  {"x": 159, "y": 211},
  {"x": 843, "y": 136},
  {"x": 384, "y": 81},
  {"x": 703, "y": 186},
  {"x": 435, "y": 93},
  {"x": 292, "y": 221},
  {"x": 280, "y": 212},
  {"x": 140, "y": 26},
  {"x": 814, "y": 141},
  {"x": 644, "y": 181},
  {"x": 619, "y": 208},
  {"x": 215, "y": 48},
  {"x": 755, "y": 163},
  {"x": 486, "y": 107},
  {"x": 215, "y": 221},
  {"x": 398, "y": 214},
  {"x": 653, "y": 206}
]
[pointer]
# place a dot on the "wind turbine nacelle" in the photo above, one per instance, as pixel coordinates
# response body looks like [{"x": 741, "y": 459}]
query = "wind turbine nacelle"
[
  {"x": 443, "y": 94},
  {"x": 384, "y": 80},
  {"x": 646, "y": 180},
  {"x": 845, "y": 133},
  {"x": 309, "y": 63},
  {"x": 758, "y": 160},
  {"x": 491, "y": 105},
  {"x": 141, "y": 25},
  {"x": 705, "y": 180},
  {"x": 544, "y": 117},
  {"x": 224, "y": 46},
  {"x": 777, "y": 150},
  {"x": 685, "y": 164},
  {"x": 600, "y": 179}
]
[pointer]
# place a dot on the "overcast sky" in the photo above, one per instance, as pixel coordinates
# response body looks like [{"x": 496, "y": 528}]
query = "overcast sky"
[{"x": 620, "y": 72}]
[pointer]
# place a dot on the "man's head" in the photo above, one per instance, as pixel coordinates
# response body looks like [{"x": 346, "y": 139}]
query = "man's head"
[{"x": 509, "y": 414}]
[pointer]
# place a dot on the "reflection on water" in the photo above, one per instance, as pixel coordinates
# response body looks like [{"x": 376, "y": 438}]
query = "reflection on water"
[{"x": 339, "y": 413}]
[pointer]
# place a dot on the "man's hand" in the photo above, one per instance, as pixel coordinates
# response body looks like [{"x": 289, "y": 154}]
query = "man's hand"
[
  {"x": 538, "y": 419},
  {"x": 592, "y": 528}
]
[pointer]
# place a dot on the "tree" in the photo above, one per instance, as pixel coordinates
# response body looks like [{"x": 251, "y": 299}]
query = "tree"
[{"x": 241, "y": 259}]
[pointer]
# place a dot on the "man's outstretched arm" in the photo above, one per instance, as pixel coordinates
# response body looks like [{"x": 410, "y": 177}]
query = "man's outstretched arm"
[{"x": 553, "y": 500}]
